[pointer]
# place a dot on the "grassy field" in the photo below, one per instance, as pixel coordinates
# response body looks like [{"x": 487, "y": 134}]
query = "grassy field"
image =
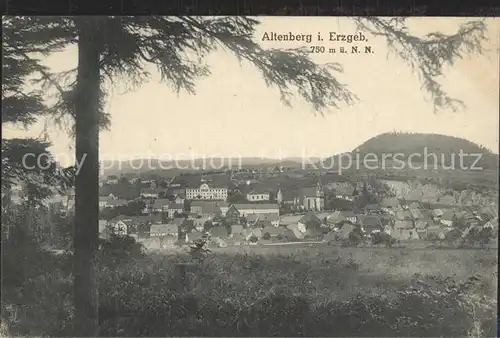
[
  {"x": 316, "y": 290},
  {"x": 394, "y": 264}
]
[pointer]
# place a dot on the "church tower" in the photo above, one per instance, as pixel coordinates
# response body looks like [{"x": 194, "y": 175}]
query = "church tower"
[
  {"x": 320, "y": 196},
  {"x": 279, "y": 195}
]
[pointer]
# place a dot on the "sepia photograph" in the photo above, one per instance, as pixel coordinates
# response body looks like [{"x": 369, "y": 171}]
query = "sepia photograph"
[{"x": 250, "y": 176}]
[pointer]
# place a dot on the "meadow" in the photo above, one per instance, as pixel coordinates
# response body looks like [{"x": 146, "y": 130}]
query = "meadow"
[{"x": 315, "y": 290}]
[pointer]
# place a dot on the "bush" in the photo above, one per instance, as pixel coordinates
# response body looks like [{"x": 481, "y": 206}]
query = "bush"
[
  {"x": 253, "y": 239},
  {"x": 36, "y": 286},
  {"x": 119, "y": 249},
  {"x": 356, "y": 237},
  {"x": 444, "y": 308},
  {"x": 248, "y": 295},
  {"x": 383, "y": 238}
]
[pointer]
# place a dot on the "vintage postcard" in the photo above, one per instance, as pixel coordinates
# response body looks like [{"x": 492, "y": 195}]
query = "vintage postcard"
[{"x": 250, "y": 176}]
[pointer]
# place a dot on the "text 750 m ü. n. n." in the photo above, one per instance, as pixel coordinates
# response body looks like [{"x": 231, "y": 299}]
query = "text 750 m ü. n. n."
[{"x": 342, "y": 50}]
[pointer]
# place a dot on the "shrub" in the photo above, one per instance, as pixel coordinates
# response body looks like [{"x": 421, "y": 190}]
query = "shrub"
[
  {"x": 119, "y": 249},
  {"x": 254, "y": 239},
  {"x": 255, "y": 295},
  {"x": 383, "y": 238}
]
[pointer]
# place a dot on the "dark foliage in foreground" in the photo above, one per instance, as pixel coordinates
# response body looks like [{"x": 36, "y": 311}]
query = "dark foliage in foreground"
[{"x": 138, "y": 297}]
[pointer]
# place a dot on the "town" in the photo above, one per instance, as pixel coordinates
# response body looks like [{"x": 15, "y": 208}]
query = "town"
[{"x": 252, "y": 208}]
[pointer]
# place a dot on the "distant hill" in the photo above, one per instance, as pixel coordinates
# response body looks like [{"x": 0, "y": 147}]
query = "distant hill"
[
  {"x": 141, "y": 166},
  {"x": 446, "y": 149}
]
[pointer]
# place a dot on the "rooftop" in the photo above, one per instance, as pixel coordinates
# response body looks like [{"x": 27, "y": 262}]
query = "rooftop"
[{"x": 252, "y": 206}]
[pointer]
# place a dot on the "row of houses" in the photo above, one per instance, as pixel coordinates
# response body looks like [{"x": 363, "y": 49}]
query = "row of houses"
[
  {"x": 269, "y": 226},
  {"x": 308, "y": 198}
]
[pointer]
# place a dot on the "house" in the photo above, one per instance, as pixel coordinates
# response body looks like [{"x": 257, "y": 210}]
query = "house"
[
  {"x": 264, "y": 220},
  {"x": 341, "y": 216},
  {"x": 136, "y": 225},
  {"x": 314, "y": 234},
  {"x": 249, "y": 209},
  {"x": 309, "y": 221},
  {"x": 167, "y": 241},
  {"x": 373, "y": 209},
  {"x": 119, "y": 228},
  {"x": 413, "y": 205},
  {"x": 174, "y": 208},
  {"x": 347, "y": 216},
  {"x": 447, "y": 200},
  {"x": 331, "y": 236},
  {"x": 236, "y": 240},
  {"x": 195, "y": 236},
  {"x": 206, "y": 208},
  {"x": 489, "y": 211},
  {"x": 437, "y": 213},
  {"x": 468, "y": 218},
  {"x": 233, "y": 215},
  {"x": 218, "y": 232},
  {"x": 483, "y": 217},
  {"x": 402, "y": 224},
  {"x": 257, "y": 196},
  {"x": 112, "y": 179},
  {"x": 346, "y": 192},
  {"x": 199, "y": 223},
  {"x": 115, "y": 203},
  {"x": 252, "y": 232},
  {"x": 427, "y": 216},
  {"x": 405, "y": 234},
  {"x": 237, "y": 230},
  {"x": 163, "y": 230},
  {"x": 447, "y": 218},
  {"x": 160, "y": 205},
  {"x": 272, "y": 232},
  {"x": 370, "y": 224},
  {"x": 104, "y": 200},
  {"x": 123, "y": 225},
  {"x": 421, "y": 225},
  {"x": 492, "y": 223},
  {"x": 289, "y": 235},
  {"x": 322, "y": 215},
  {"x": 403, "y": 215},
  {"x": 125, "y": 191},
  {"x": 252, "y": 219},
  {"x": 219, "y": 242},
  {"x": 178, "y": 191},
  {"x": 150, "y": 193},
  {"x": 155, "y": 218},
  {"x": 223, "y": 206},
  {"x": 390, "y": 205},
  {"x": 289, "y": 219},
  {"x": 344, "y": 232},
  {"x": 334, "y": 218},
  {"x": 434, "y": 231},
  {"x": 295, "y": 229},
  {"x": 205, "y": 192},
  {"x": 415, "y": 213},
  {"x": 179, "y": 199},
  {"x": 404, "y": 230},
  {"x": 387, "y": 228},
  {"x": 184, "y": 224}
]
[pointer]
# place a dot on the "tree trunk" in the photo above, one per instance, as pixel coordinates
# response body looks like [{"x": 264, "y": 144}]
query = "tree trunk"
[{"x": 87, "y": 181}]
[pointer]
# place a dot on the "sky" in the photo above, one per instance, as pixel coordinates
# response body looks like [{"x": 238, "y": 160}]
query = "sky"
[{"x": 235, "y": 114}]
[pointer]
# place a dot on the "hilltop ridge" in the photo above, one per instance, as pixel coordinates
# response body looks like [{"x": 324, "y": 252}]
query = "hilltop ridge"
[{"x": 420, "y": 146}]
